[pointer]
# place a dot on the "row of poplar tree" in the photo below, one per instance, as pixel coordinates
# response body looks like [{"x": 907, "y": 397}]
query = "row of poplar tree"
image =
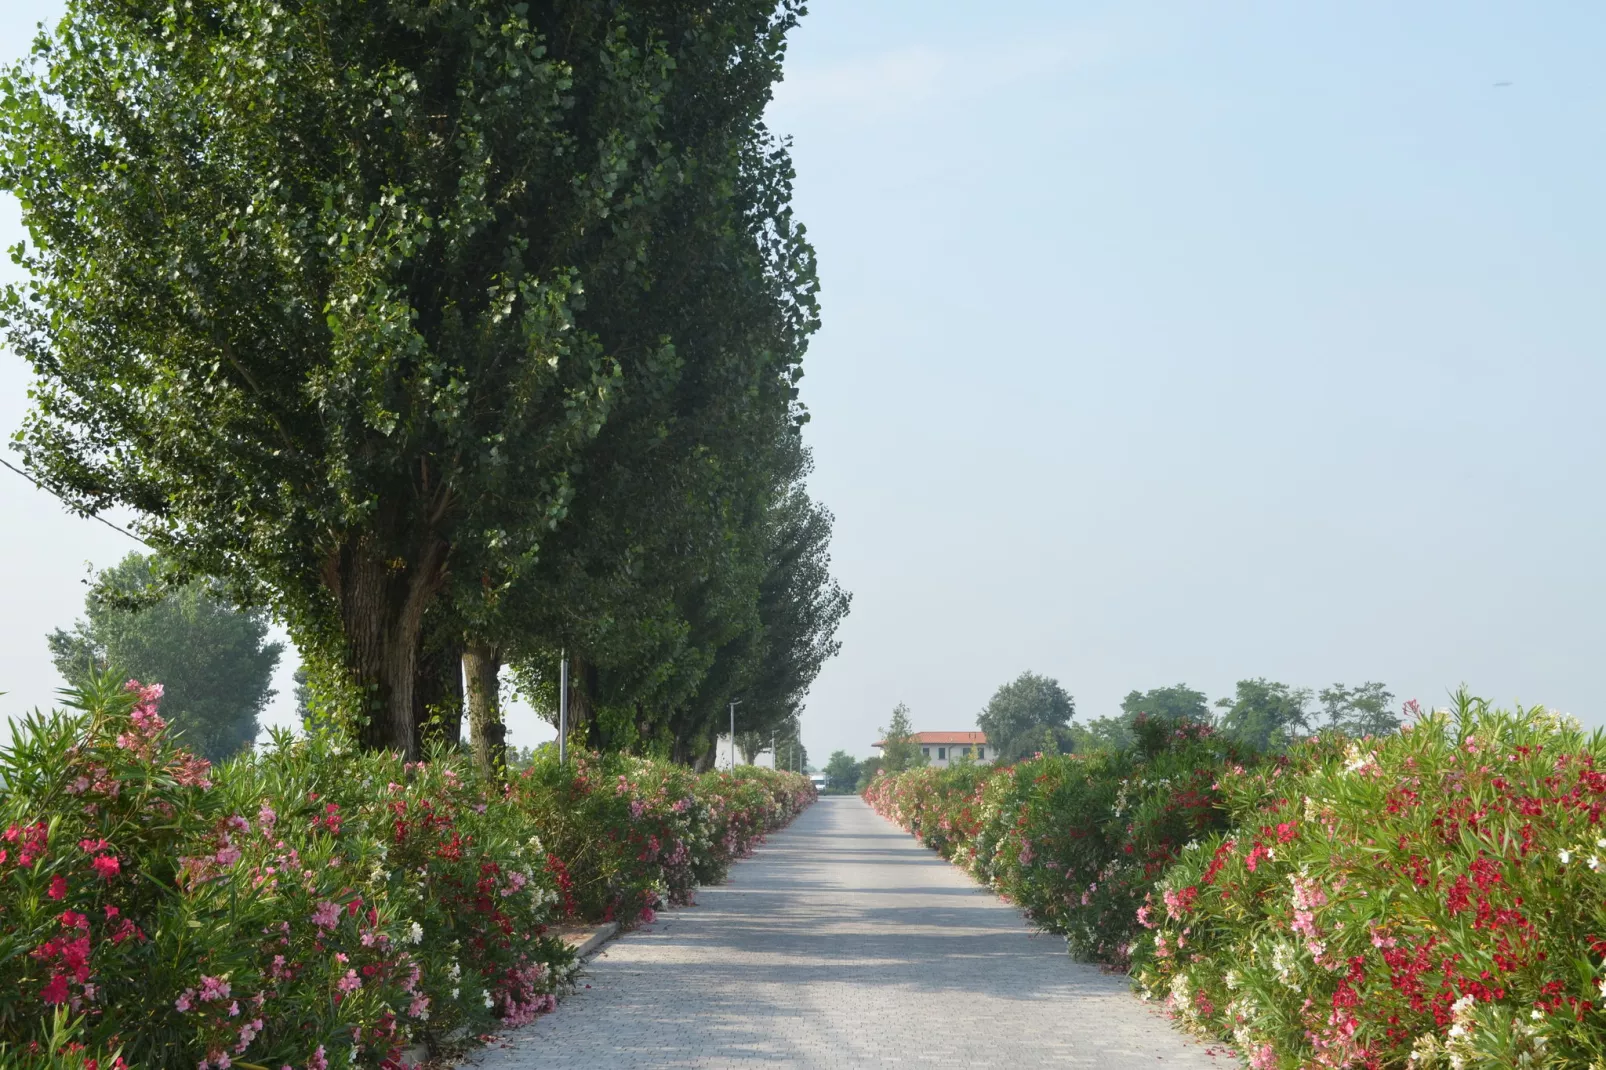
[{"x": 458, "y": 336}]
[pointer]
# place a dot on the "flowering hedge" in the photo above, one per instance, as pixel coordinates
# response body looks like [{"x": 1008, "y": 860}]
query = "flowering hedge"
[
  {"x": 1435, "y": 898},
  {"x": 1077, "y": 841},
  {"x": 309, "y": 904},
  {"x": 626, "y": 835},
  {"x": 1431, "y": 899}
]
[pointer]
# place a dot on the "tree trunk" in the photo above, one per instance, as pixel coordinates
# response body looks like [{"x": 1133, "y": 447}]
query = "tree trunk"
[
  {"x": 680, "y": 751},
  {"x": 705, "y": 760},
  {"x": 482, "y": 665},
  {"x": 381, "y": 605},
  {"x": 582, "y": 708},
  {"x": 438, "y": 698}
]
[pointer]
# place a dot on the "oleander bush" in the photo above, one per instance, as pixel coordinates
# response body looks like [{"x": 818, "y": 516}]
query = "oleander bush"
[
  {"x": 1078, "y": 840},
  {"x": 625, "y": 835},
  {"x": 1434, "y": 898},
  {"x": 310, "y": 904}
]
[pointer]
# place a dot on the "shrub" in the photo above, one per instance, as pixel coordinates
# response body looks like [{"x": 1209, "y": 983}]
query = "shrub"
[
  {"x": 625, "y": 835},
  {"x": 1077, "y": 840},
  {"x": 1432, "y": 898},
  {"x": 309, "y": 903}
]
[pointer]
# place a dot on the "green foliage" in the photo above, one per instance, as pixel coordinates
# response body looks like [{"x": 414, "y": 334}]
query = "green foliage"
[
  {"x": 334, "y": 294},
  {"x": 193, "y": 911},
  {"x": 1361, "y": 711},
  {"x": 210, "y": 658},
  {"x": 1263, "y": 715},
  {"x": 1429, "y": 898},
  {"x": 800, "y": 608},
  {"x": 1027, "y": 714},
  {"x": 869, "y": 769},
  {"x": 841, "y": 773},
  {"x": 626, "y": 835},
  {"x": 1108, "y": 733},
  {"x": 899, "y": 749},
  {"x": 1179, "y": 704},
  {"x": 310, "y": 900},
  {"x": 1076, "y": 840}
]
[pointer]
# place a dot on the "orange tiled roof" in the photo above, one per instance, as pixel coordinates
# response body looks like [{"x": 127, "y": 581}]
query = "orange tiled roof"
[{"x": 942, "y": 738}]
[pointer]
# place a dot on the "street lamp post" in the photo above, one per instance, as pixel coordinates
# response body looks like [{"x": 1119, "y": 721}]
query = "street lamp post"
[
  {"x": 734, "y": 703},
  {"x": 563, "y": 709}
]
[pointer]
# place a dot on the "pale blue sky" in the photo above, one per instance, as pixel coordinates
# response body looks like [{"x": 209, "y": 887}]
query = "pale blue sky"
[{"x": 1169, "y": 342}]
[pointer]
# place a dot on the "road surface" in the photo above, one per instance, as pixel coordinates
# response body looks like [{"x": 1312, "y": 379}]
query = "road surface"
[{"x": 844, "y": 943}]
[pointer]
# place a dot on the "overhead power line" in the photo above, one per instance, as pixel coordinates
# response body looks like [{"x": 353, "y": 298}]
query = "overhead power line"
[{"x": 53, "y": 494}]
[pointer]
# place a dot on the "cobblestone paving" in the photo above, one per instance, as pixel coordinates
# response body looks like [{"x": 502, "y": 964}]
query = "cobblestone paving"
[{"x": 844, "y": 943}]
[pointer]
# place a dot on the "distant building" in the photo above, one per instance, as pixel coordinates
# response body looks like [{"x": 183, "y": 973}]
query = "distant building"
[{"x": 942, "y": 749}]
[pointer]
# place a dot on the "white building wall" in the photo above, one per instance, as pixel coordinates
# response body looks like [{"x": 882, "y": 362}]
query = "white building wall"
[
  {"x": 722, "y": 751},
  {"x": 951, "y": 754}
]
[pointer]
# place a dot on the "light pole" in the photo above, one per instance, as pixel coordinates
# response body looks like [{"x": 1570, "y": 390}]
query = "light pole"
[
  {"x": 734, "y": 703},
  {"x": 563, "y": 708}
]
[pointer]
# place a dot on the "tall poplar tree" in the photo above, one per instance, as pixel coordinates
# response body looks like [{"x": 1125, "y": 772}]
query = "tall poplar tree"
[{"x": 342, "y": 298}]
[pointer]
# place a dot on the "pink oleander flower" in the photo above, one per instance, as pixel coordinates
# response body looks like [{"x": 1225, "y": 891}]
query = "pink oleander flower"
[
  {"x": 349, "y": 983},
  {"x": 318, "y": 1061},
  {"x": 58, "y": 887},
  {"x": 192, "y": 772},
  {"x": 214, "y": 987},
  {"x": 326, "y": 915},
  {"x": 248, "y": 1033},
  {"x": 106, "y": 866}
]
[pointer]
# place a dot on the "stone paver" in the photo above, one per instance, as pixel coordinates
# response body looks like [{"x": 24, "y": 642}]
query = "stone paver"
[{"x": 844, "y": 943}]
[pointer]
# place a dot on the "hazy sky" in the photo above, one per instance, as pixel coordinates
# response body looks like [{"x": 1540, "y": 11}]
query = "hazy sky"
[{"x": 1165, "y": 342}]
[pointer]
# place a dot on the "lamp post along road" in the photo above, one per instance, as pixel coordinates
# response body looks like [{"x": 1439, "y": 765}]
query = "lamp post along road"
[
  {"x": 734, "y": 703},
  {"x": 563, "y": 709}
]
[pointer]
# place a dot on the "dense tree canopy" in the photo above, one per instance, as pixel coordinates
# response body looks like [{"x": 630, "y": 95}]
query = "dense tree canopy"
[
  {"x": 1031, "y": 713},
  {"x": 1264, "y": 715},
  {"x": 1360, "y": 711},
  {"x": 378, "y": 309},
  {"x": 841, "y": 772},
  {"x": 213, "y": 660},
  {"x": 1178, "y": 703},
  {"x": 899, "y": 750}
]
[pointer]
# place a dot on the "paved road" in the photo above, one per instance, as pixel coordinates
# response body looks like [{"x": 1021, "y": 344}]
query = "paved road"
[{"x": 844, "y": 943}]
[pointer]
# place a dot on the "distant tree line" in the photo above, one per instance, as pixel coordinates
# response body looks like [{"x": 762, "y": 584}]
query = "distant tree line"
[{"x": 1033, "y": 714}]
